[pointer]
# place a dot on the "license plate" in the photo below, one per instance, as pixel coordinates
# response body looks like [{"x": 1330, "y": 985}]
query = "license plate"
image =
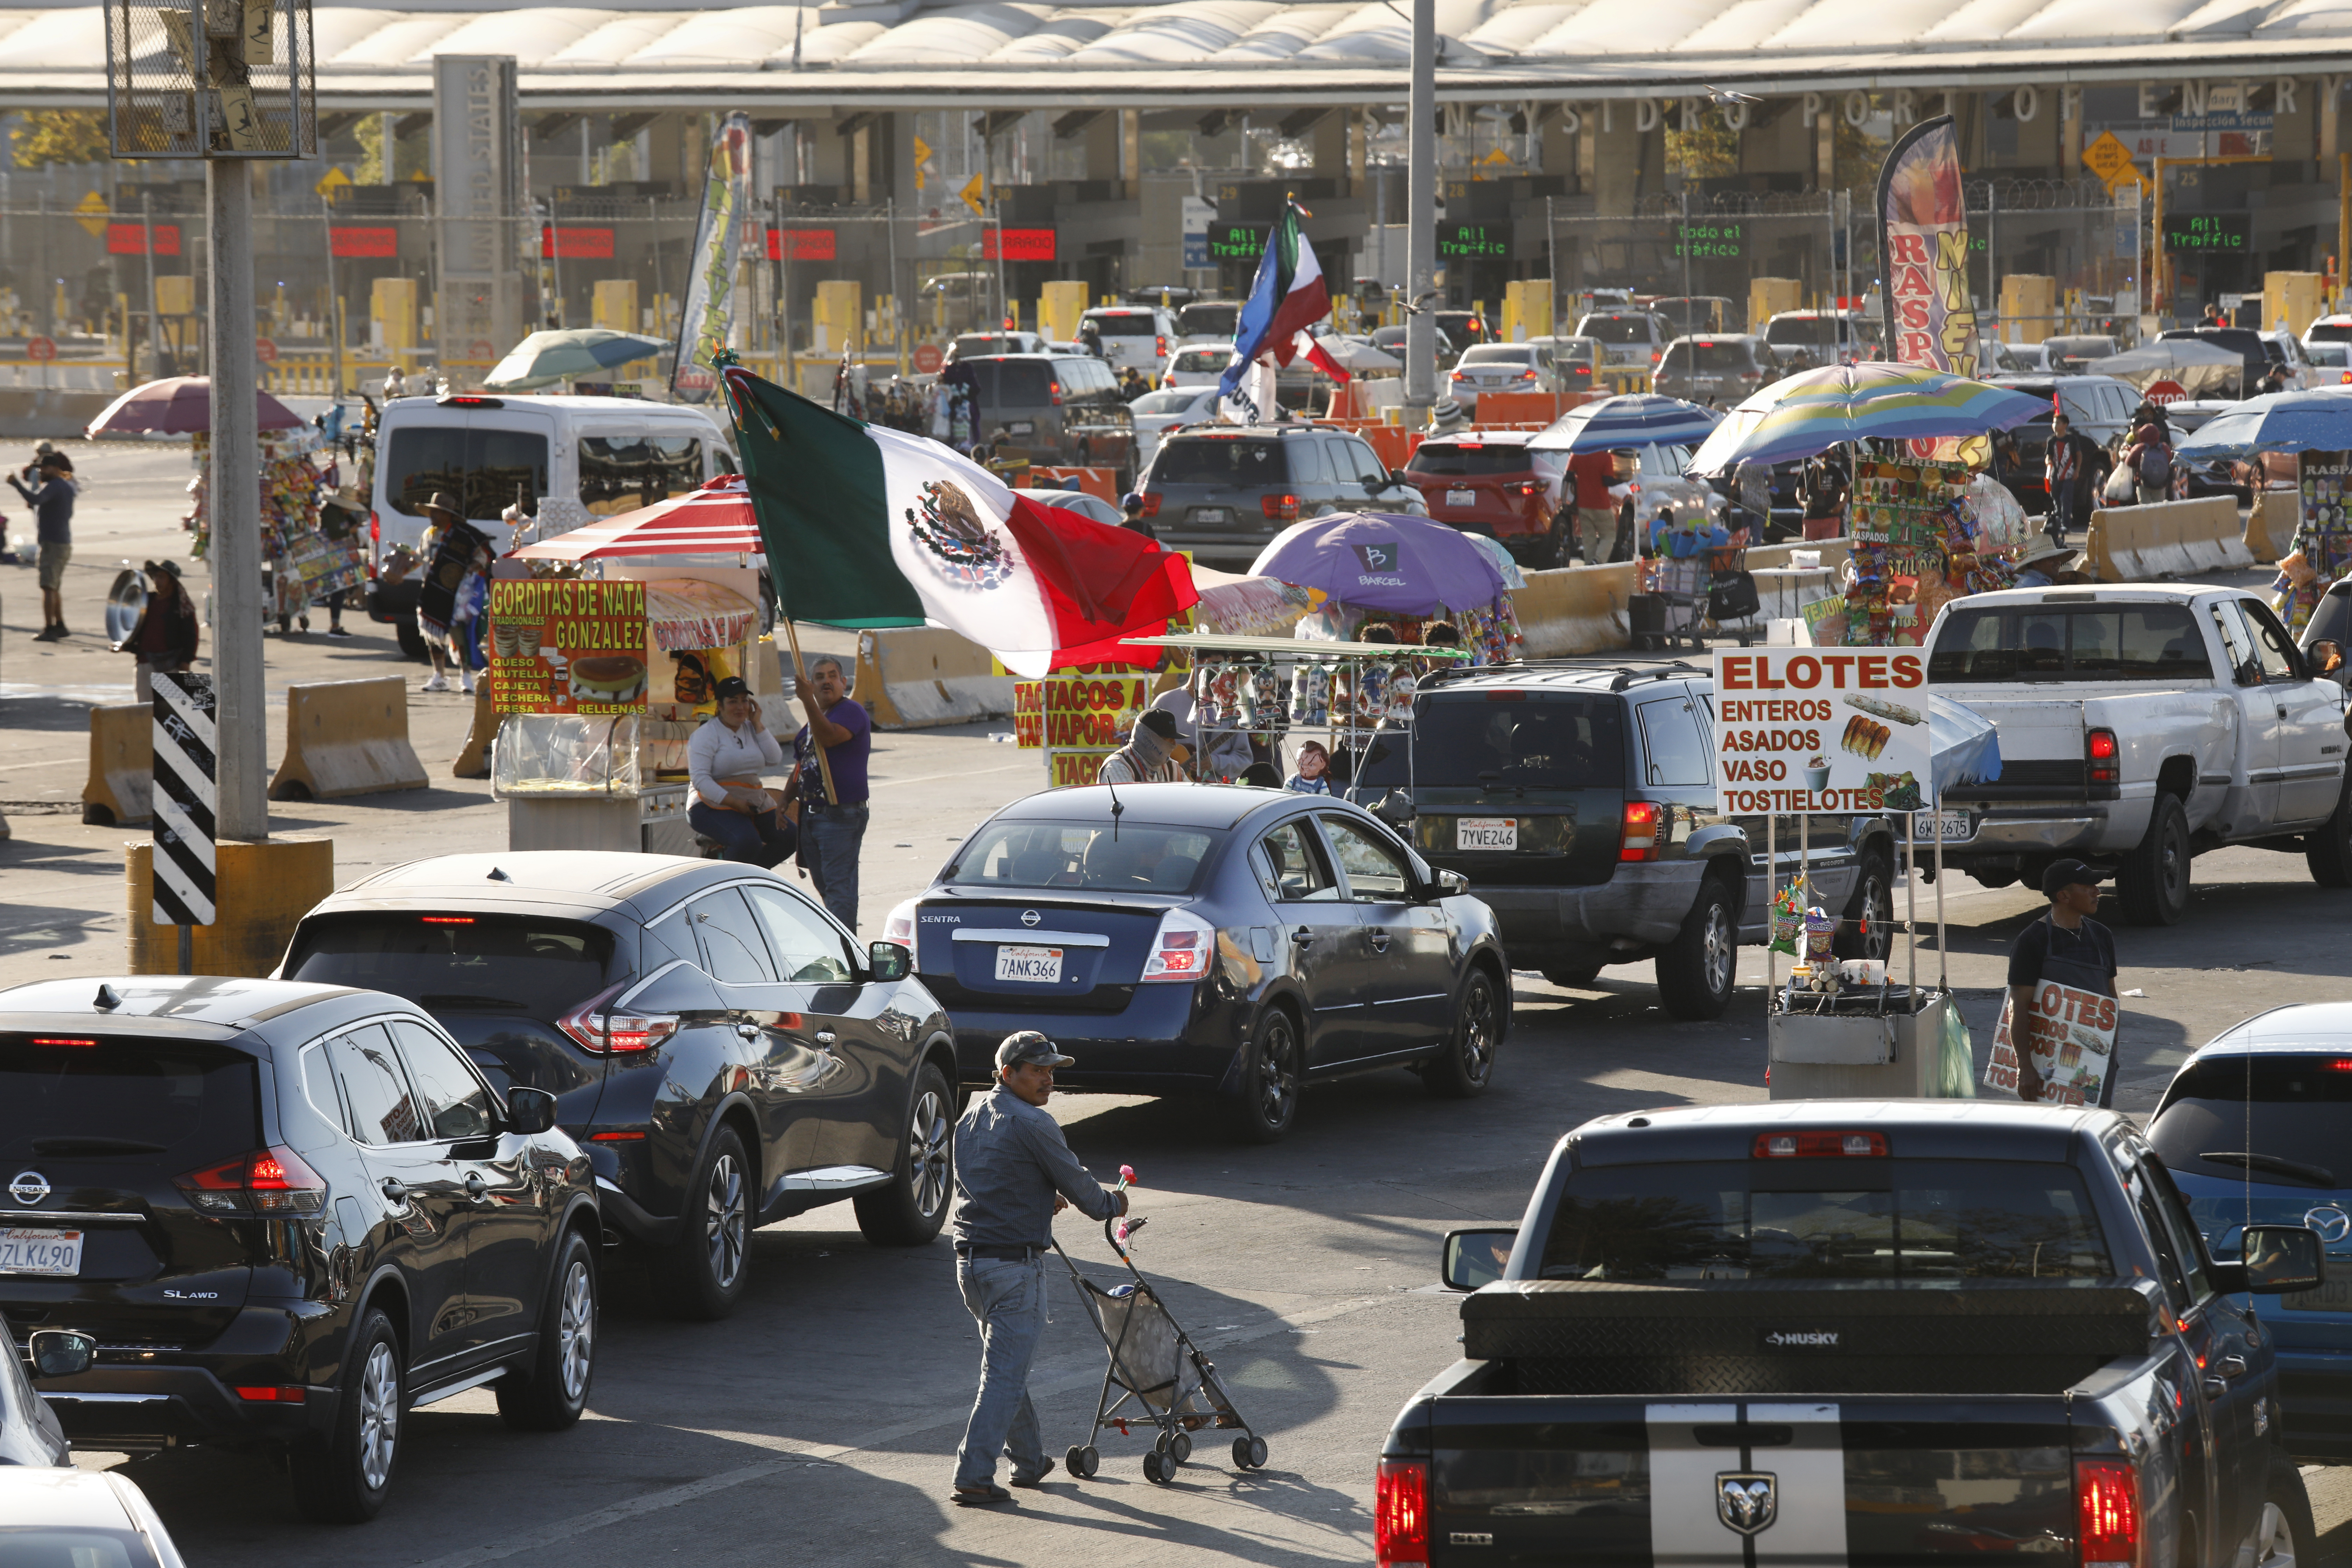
[
  {"x": 1460, "y": 497},
  {"x": 1486, "y": 833},
  {"x": 1022, "y": 427},
  {"x": 1956, "y": 826},
  {"x": 1212, "y": 514},
  {"x": 24, "y": 1251},
  {"x": 2335, "y": 1296},
  {"x": 1031, "y": 966}
]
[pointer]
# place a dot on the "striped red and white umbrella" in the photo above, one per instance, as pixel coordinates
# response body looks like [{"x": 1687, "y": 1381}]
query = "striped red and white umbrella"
[{"x": 715, "y": 519}]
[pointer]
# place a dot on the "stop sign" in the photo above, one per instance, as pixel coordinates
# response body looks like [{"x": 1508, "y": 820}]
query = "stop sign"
[
  {"x": 928, "y": 359},
  {"x": 41, "y": 351},
  {"x": 265, "y": 350},
  {"x": 2163, "y": 392}
]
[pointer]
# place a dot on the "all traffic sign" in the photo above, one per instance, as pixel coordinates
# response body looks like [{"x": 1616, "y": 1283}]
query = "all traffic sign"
[{"x": 928, "y": 359}]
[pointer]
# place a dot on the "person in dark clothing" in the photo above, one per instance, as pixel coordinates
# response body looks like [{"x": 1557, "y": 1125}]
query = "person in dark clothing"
[
  {"x": 164, "y": 639},
  {"x": 1133, "y": 518},
  {"x": 2071, "y": 469},
  {"x": 52, "y": 500},
  {"x": 2067, "y": 946}
]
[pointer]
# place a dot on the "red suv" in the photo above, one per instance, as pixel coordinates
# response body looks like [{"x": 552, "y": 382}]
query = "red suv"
[{"x": 1486, "y": 481}]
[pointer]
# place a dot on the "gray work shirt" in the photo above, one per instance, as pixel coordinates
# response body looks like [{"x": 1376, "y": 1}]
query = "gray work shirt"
[{"x": 1010, "y": 1160}]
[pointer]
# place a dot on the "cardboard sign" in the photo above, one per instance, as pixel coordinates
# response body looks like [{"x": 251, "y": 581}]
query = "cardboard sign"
[
  {"x": 567, "y": 646},
  {"x": 2070, "y": 1037},
  {"x": 1820, "y": 729},
  {"x": 1077, "y": 719}
]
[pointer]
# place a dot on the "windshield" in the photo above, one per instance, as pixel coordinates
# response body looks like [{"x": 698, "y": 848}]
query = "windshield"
[
  {"x": 1176, "y": 400},
  {"x": 2285, "y": 1107},
  {"x": 1445, "y": 457},
  {"x": 2332, "y": 354},
  {"x": 2050, "y": 642},
  {"x": 128, "y": 1094},
  {"x": 1532, "y": 740},
  {"x": 1499, "y": 354},
  {"x": 1221, "y": 460},
  {"x": 1574, "y": 351},
  {"x": 1888, "y": 1219},
  {"x": 541, "y": 969},
  {"x": 40, "y": 1546},
  {"x": 487, "y": 470},
  {"x": 1615, "y": 329},
  {"x": 1138, "y": 858}
]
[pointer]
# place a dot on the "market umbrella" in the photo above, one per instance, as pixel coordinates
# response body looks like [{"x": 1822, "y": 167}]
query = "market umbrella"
[
  {"x": 1500, "y": 555},
  {"x": 1634, "y": 420},
  {"x": 1382, "y": 560},
  {"x": 2315, "y": 421},
  {"x": 574, "y": 354},
  {"x": 2193, "y": 364},
  {"x": 1357, "y": 355},
  {"x": 1811, "y": 411},
  {"x": 180, "y": 406},
  {"x": 715, "y": 519},
  {"x": 1962, "y": 746}
]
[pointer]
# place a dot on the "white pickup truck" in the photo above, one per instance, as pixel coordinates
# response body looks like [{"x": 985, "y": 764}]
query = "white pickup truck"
[{"x": 2140, "y": 725}]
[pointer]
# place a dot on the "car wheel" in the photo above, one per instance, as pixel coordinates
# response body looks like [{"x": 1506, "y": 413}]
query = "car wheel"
[
  {"x": 2152, "y": 883},
  {"x": 1872, "y": 906},
  {"x": 342, "y": 1475},
  {"x": 2284, "y": 1535},
  {"x": 412, "y": 641},
  {"x": 1694, "y": 971},
  {"x": 1464, "y": 1068},
  {"x": 1268, "y": 1103},
  {"x": 712, "y": 1255},
  {"x": 549, "y": 1393},
  {"x": 2327, "y": 848},
  {"x": 911, "y": 1210}
]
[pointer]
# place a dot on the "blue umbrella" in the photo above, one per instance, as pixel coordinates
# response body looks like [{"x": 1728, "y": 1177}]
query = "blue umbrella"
[
  {"x": 1635, "y": 419},
  {"x": 2316, "y": 421}
]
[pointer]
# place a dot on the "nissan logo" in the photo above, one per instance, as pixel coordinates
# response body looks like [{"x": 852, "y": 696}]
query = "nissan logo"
[
  {"x": 1028, "y": 918},
  {"x": 29, "y": 1187}
]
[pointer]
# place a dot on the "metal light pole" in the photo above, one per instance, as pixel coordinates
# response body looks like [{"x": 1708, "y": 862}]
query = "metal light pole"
[{"x": 1420, "y": 206}]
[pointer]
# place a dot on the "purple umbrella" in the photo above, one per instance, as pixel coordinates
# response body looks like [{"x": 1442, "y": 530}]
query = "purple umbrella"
[
  {"x": 180, "y": 406},
  {"x": 1382, "y": 560}
]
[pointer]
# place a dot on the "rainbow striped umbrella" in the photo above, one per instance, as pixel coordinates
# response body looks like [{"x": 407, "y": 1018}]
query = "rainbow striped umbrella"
[{"x": 1811, "y": 411}]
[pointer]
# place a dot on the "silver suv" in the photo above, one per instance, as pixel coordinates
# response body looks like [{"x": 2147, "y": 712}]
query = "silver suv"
[
  {"x": 1222, "y": 492},
  {"x": 1716, "y": 369}
]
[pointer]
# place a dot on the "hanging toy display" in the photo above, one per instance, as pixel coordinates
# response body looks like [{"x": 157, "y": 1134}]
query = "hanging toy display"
[{"x": 1269, "y": 711}]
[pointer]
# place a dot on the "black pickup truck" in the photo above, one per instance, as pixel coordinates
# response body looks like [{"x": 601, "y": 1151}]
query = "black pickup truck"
[{"x": 1853, "y": 1334}]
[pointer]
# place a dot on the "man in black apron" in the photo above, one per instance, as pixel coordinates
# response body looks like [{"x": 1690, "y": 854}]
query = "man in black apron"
[{"x": 2071, "y": 948}]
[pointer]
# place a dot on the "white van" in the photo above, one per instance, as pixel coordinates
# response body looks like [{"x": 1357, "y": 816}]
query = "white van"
[
  {"x": 1134, "y": 337},
  {"x": 569, "y": 461}
]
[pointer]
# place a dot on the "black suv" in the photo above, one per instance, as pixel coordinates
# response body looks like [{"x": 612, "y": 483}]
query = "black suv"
[
  {"x": 1063, "y": 410},
  {"x": 1577, "y": 799},
  {"x": 720, "y": 1044},
  {"x": 288, "y": 1214},
  {"x": 1223, "y": 492}
]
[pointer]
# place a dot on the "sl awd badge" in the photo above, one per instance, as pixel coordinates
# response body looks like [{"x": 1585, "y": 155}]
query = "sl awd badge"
[{"x": 1747, "y": 1501}]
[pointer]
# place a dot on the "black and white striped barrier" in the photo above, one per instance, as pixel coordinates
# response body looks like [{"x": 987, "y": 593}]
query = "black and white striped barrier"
[{"x": 185, "y": 800}]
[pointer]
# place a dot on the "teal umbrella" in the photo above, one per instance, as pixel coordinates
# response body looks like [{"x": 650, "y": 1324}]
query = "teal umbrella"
[{"x": 575, "y": 353}]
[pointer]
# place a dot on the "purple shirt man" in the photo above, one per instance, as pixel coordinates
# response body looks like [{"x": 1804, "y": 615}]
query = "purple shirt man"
[{"x": 832, "y": 834}]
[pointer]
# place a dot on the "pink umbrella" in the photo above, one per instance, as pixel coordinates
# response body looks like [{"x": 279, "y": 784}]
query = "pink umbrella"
[
  {"x": 714, "y": 520},
  {"x": 180, "y": 406}
]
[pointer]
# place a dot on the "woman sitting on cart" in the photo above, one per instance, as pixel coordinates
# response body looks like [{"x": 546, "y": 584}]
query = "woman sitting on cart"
[{"x": 724, "y": 760}]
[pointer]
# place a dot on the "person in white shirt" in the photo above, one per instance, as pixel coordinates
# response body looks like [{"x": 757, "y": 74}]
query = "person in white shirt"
[
  {"x": 724, "y": 760},
  {"x": 1153, "y": 754}
]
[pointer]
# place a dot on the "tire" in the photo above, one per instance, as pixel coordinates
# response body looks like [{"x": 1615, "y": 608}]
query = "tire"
[
  {"x": 1874, "y": 900},
  {"x": 549, "y": 1393},
  {"x": 2152, "y": 884},
  {"x": 1158, "y": 1470},
  {"x": 1697, "y": 969},
  {"x": 1249, "y": 1453},
  {"x": 1463, "y": 1069},
  {"x": 711, "y": 1259},
  {"x": 412, "y": 641},
  {"x": 2327, "y": 848},
  {"x": 1574, "y": 977},
  {"x": 1551, "y": 549},
  {"x": 2284, "y": 1535},
  {"x": 911, "y": 1210},
  {"x": 1082, "y": 1461},
  {"x": 343, "y": 1476},
  {"x": 2004, "y": 876},
  {"x": 1268, "y": 1101}
]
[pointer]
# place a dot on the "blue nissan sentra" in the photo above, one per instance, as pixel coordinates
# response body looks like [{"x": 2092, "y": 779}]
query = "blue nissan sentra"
[
  {"x": 1210, "y": 939},
  {"x": 2259, "y": 1122}
]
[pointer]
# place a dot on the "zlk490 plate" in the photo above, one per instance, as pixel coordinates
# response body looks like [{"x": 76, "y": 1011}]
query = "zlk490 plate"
[
  {"x": 1036, "y": 965},
  {"x": 1486, "y": 833},
  {"x": 25, "y": 1250}
]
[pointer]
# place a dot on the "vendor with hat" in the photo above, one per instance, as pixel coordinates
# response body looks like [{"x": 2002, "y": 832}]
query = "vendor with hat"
[
  {"x": 1013, "y": 1172},
  {"x": 1154, "y": 752},
  {"x": 164, "y": 639},
  {"x": 2043, "y": 563},
  {"x": 452, "y": 551},
  {"x": 2066, "y": 945}
]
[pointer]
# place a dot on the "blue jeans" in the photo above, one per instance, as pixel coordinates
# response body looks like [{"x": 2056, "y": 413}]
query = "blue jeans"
[
  {"x": 747, "y": 838},
  {"x": 831, "y": 837},
  {"x": 1008, "y": 1300}
]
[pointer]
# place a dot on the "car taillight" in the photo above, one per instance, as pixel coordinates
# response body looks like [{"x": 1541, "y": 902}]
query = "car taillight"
[
  {"x": 1281, "y": 508},
  {"x": 594, "y": 1026},
  {"x": 1160, "y": 344},
  {"x": 275, "y": 1394},
  {"x": 1638, "y": 839},
  {"x": 2106, "y": 1513},
  {"x": 898, "y": 925},
  {"x": 1400, "y": 1514},
  {"x": 1525, "y": 375},
  {"x": 1528, "y": 488},
  {"x": 1820, "y": 1145},
  {"x": 1457, "y": 375},
  {"x": 271, "y": 1180},
  {"x": 1182, "y": 949},
  {"x": 61, "y": 1040},
  {"x": 1054, "y": 386},
  {"x": 1151, "y": 503},
  {"x": 2099, "y": 752}
]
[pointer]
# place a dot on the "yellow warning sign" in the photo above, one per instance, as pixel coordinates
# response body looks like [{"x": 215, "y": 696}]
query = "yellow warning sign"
[
  {"x": 974, "y": 195},
  {"x": 922, "y": 156},
  {"x": 332, "y": 184},
  {"x": 93, "y": 211},
  {"x": 2109, "y": 159}
]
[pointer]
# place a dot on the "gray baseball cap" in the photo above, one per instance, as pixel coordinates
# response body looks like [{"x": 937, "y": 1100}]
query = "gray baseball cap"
[{"x": 1032, "y": 1047}]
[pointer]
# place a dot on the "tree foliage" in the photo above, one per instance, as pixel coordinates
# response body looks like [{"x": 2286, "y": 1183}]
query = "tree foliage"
[{"x": 47, "y": 136}]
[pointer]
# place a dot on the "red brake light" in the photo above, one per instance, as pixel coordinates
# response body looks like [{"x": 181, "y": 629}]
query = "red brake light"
[
  {"x": 594, "y": 1026},
  {"x": 1160, "y": 344},
  {"x": 472, "y": 401},
  {"x": 1181, "y": 949},
  {"x": 1055, "y": 385},
  {"x": 1638, "y": 841},
  {"x": 1151, "y": 503},
  {"x": 627, "y": 1137},
  {"x": 2099, "y": 747},
  {"x": 2106, "y": 1513},
  {"x": 1400, "y": 1514},
  {"x": 267, "y": 1182},
  {"x": 60, "y": 1040},
  {"x": 446, "y": 920},
  {"x": 1281, "y": 508},
  {"x": 1821, "y": 1145},
  {"x": 1507, "y": 696},
  {"x": 280, "y": 1393}
]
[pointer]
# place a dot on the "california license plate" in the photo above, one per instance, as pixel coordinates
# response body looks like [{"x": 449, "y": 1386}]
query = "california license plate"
[
  {"x": 1486, "y": 833},
  {"x": 24, "y": 1251},
  {"x": 1212, "y": 514},
  {"x": 1022, "y": 427},
  {"x": 1460, "y": 497},
  {"x": 1029, "y": 965},
  {"x": 1955, "y": 826},
  {"x": 2335, "y": 1296}
]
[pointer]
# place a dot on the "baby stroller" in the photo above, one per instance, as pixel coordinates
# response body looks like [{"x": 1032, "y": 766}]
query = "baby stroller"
[{"x": 1161, "y": 1376}]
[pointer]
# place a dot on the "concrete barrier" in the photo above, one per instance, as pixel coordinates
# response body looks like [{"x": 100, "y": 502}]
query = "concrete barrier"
[
  {"x": 1572, "y": 610},
  {"x": 121, "y": 782},
  {"x": 346, "y": 737},
  {"x": 921, "y": 676},
  {"x": 261, "y": 891},
  {"x": 2166, "y": 538},
  {"x": 473, "y": 760},
  {"x": 2271, "y": 522}
]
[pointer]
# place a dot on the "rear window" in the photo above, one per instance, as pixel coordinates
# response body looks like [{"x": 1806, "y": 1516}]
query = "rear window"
[
  {"x": 2030, "y": 642},
  {"x": 1444, "y": 458},
  {"x": 1010, "y": 384},
  {"x": 1202, "y": 359},
  {"x": 1175, "y": 400},
  {"x": 1221, "y": 460},
  {"x": 485, "y": 468},
  {"x": 2287, "y": 1106},
  {"x": 1539, "y": 741},
  {"x": 1615, "y": 329},
  {"x": 1125, "y": 323},
  {"x": 1499, "y": 354},
  {"x": 1137, "y": 857},
  {"x": 1887, "y": 1219},
  {"x": 455, "y": 962},
  {"x": 2330, "y": 332},
  {"x": 973, "y": 344},
  {"x": 1197, "y": 321},
  {"x": 97, "y": 1095},
  {"x": 621, "y": 473},
  {"x": 1714, "y": 357}
]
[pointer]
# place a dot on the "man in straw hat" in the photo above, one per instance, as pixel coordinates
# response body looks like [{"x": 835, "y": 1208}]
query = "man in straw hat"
[
  {"x": 2045, "y": 561},
  {"x": 449, "y": 549}
]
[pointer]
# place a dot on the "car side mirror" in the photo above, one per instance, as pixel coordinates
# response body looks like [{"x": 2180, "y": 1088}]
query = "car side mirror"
[
  {"x": 2278, "y": 1258},
  {"x": 889, "y": 959},
  {"x": 1397, "y": 476},
  {"x": 62, "y": 1352},
  {"x": 529, "y": 1110},
  {"x": 1451, "y": 884},
  {"x": 1475, "y": 1257}
]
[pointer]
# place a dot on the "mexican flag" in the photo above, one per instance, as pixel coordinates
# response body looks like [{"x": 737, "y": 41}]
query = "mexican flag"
[
  {"x": 1288, "y": 296},
  {"x": 867, "y": 526}
]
